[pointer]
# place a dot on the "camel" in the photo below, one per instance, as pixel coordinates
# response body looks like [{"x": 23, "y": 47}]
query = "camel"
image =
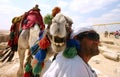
[
  {"x": 24, "y": 23},
  {"x": 31, "y": 23},
  {"x": 58, "y": 34}
]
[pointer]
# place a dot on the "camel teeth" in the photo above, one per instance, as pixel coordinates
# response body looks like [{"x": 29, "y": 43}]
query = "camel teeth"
[
  {"x": 61, "y": 44},
  {"x": 58, "y": 44}
]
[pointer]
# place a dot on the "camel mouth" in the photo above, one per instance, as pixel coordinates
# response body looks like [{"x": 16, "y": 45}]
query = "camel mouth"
[{"x": 58, "y": 41}]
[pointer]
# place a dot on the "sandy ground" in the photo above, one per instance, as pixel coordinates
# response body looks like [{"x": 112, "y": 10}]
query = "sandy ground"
[{"x": 103, "y": 66}]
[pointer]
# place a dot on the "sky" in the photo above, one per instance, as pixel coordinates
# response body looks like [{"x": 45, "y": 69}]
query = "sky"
[{"x": 82, "y": 12}]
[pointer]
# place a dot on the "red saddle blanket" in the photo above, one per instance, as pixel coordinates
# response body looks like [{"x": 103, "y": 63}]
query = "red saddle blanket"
[{"x": 32, "y": 17}]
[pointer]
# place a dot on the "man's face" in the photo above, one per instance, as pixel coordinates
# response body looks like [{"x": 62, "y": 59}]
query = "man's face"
[{"x": 90, "y": 43}]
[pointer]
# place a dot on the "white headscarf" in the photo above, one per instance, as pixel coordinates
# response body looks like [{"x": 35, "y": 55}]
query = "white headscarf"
[{"x": 79, "y": 29}]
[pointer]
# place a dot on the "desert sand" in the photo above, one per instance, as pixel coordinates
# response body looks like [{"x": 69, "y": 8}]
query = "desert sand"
[{"x": 106, "y": 64}]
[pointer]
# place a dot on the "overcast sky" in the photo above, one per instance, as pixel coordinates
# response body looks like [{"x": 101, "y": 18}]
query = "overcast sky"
[{"x": 81, "y": 11}]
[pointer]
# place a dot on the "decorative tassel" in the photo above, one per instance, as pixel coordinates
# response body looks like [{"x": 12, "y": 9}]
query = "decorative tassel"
[
  {"x": 27, "y": 74},
  {"x": 42, "y": 64},
  {"x": 34, "y": 62},
  {"x": 48, "y": 19},
  {"x": 55, "y": 11},
  {"x": 70, "y": 52},
  {"x": 14, "y": 47},
  {"x": 20, "y": 31},
  {"x": 28, "y": 67},
  {"x": 37, "y": 75},
  {"x": 9, "y": 43},
  {"x": 40, "y": 55},
  {"x": 15, "y": 39},
  {"x": 11, "y": 35},
  {"x": 34, "y": 48},
  {"x": 41, "y": 34},
  {"x": 44, "y": 43},
  {"x": 72, "y": 47},
  {"x": 73, "y": 43},
  {"x": 38, "y": 68}
]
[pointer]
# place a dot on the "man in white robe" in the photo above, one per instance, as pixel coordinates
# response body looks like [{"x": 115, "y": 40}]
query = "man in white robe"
[{"x": 77, "y": 66}]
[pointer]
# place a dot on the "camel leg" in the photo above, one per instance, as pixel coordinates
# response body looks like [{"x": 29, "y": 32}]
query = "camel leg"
[
  {"x": 21, "y": 53},
  {"x": 22, "y": 46}
]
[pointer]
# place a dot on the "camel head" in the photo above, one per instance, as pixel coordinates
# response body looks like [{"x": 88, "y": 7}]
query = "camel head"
[{"x": 59, "y": 32}]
